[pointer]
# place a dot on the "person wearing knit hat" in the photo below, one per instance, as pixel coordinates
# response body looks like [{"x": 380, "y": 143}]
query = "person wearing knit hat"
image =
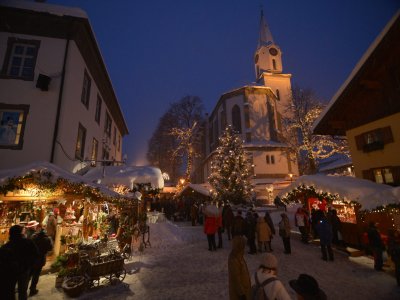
[
  {"x": 266, "y": 278},
  {"x": 307, "y": 288}
]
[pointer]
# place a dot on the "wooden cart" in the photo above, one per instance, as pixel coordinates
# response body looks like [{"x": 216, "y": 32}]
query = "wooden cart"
[{"x": 109, "y": 267}]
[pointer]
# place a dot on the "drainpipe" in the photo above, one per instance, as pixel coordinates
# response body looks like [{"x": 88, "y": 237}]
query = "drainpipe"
[{"x": 60, "y": 96}]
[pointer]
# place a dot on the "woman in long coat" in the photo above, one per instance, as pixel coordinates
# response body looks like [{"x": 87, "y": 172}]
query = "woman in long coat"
[
  {"x": 239, "y": 277},
  {"x": 264, "y": 235}
]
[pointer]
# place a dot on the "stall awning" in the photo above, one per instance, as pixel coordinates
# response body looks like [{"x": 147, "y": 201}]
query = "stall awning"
[{"x": 367, "y": 193}]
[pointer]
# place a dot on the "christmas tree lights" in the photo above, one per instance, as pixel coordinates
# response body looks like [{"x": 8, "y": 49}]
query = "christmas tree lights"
[{"x": 230, "y": 169}]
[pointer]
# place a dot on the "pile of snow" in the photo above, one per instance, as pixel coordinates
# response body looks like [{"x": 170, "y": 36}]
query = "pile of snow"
[
  {"x": 126, "y": 175},
  {"x": 369, "y": 194}
]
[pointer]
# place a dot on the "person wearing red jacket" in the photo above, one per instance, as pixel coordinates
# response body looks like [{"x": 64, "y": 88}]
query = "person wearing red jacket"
[{"x": 210, "y": 226}]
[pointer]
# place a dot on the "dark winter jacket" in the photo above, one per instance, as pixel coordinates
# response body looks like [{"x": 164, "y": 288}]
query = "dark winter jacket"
[
  {"x": 44, "y": 245},
  {"x": 227, "y": 216},
  {"x": 374, "y": 238},
  {"x": 324, "y": 229},
  {"x": 239, "y": 226},
  {"x": 251, "y": 224}
]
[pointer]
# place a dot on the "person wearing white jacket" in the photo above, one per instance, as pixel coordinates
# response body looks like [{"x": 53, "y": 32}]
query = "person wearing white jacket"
[{"x": 267, "y": 274}]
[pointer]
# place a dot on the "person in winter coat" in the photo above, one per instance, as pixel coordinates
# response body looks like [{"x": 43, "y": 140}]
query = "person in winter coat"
[
  {"x": 264, "y": 235},
  {"x": 227, "y": 219},
  {"x": 44, "y": 245},
  {"x": 324, "y": 230},
  {"x": 239, "y": 278},
  {"x": 239, "y": 225},
  {"x": 251, "y": 223},
  {"x": 284, "y": 232},
  {"x": 336, "y": 226},
  {"x": 394, "y": 252},
  {"x": 194, "y": 214},
  {"x": 377, "y": 246},
  {"x": 210, "y": 225},
  {"x": 301, "y": 221},
  {"x": 17, "y": 257},
  {"x": 268, "y": 270},
  {"x": 268, "y": 219}
]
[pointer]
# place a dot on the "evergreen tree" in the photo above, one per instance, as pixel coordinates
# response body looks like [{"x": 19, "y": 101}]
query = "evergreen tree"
[{"x": 230, "y": 169}]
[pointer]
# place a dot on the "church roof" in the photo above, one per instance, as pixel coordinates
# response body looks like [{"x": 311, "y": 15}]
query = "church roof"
[{"x": 265, "y": 37}]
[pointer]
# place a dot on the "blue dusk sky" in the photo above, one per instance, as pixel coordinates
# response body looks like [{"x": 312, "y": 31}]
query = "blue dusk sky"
[{"x": 159, "y": 51}]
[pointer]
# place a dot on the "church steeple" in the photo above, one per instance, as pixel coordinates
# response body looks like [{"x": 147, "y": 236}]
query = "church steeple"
[
  {"x": 265, "y": 37},
  {"x": 268, "y": 56}
]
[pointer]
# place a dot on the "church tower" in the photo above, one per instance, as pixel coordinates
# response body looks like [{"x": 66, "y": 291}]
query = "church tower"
[
  {"x": 269, "y": 67},
  {"x": 268, "y": 56}
]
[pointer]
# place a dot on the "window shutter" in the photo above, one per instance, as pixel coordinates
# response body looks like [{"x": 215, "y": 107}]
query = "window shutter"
[
  {"x": 360, "y": 142},
  {"x": 368, "y": 174},
  {"x": 396, "y": 175},
  {"x": 387, "y": 136}
]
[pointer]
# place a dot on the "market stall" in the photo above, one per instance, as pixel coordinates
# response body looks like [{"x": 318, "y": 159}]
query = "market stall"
[
  {"x": 357, "y": 202},
  {"x": 72, "y": 210}
]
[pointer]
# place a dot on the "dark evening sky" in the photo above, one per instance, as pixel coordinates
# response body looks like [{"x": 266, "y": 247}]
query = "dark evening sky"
[{"x": 158, "y": 51}]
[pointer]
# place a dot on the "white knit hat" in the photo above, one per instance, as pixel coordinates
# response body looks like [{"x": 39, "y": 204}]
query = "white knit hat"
[{"x": 269, "y": 261}]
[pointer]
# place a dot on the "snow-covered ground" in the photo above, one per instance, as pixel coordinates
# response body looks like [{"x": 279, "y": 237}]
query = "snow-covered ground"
[{"x": 179, "y": 266}]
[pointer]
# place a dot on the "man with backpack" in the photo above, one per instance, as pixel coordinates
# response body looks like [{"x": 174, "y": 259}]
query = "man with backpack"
[{"x": 267, "y": 285}]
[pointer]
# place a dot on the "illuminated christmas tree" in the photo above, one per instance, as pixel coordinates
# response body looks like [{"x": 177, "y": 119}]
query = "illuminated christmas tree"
[{"x": 230, "y": 169}]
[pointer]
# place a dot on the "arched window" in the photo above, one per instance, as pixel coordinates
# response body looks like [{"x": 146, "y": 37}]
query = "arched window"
[
  {"x": 274, "y": 64},
  {"x": 236, "y": 119},
  {"x": 278, "y": 96}
]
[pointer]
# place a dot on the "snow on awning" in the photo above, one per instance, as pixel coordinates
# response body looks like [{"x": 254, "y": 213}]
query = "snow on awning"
[
  {"x": 56, "y": 172},
  {"x": 126, "y": 175},
  {"x": 203, "y": 189},
  {"x": 369, "y": 194}
]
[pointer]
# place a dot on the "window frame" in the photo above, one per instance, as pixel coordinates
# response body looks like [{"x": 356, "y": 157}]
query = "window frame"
[
  {"x": 97, "y": 113},
  {"x": 108, "y": 125},
  {"x": 20, "y": 130},
  {"x": 82, "y": 140},
  {"x": 11, "y": 42},
  {"x": 236, "y": 119},
  {"x": 86, "y": 87}
]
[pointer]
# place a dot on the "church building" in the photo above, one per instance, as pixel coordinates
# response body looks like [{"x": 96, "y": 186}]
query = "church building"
[{"x": 255, "y": 112}]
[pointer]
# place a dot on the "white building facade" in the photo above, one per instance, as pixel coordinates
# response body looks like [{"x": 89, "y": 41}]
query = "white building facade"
[
  {"x": 57, "y": 103},
  {"x": 255, "y": 112}
]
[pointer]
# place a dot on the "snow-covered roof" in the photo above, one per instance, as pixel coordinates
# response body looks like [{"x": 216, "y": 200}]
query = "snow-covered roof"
[
  {"x": 126, "y": 175},
  {"x": 56, "y": 172},
  {"x": 338, "y": 162},
  {"x": 369, "y": 194},
  {"x": 356, "y": 69},
  {"x": 46, "y": 8},
  {"x": 203, "y": 188}
]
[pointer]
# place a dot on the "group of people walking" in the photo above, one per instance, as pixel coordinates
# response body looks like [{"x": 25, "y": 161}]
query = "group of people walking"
[{"x": 22, "y": 260}]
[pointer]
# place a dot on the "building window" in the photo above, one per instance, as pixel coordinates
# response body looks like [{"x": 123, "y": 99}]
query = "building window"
[
  {"x": 270, "y": 159},
  {"x": 80, "y": 142},
  {"x": 108, "y": 125},
  {"x": 119, "y": 143},
  {"x": 95, "y": 150},
  {"x": 87, "y": 82},
  {"x": 374, "y": 140},
  {"x": 98, "y": 109},
  {"x": 236, "y": 119},
  {"x": 115, "y": 136},
  {"x": 20, "y": 59},
  {"x": 278, "y": 96},
  {"x": 12, "y": 125},
  {"x": 274, "y": 64},
  {"x": 383, "y": 176}
]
